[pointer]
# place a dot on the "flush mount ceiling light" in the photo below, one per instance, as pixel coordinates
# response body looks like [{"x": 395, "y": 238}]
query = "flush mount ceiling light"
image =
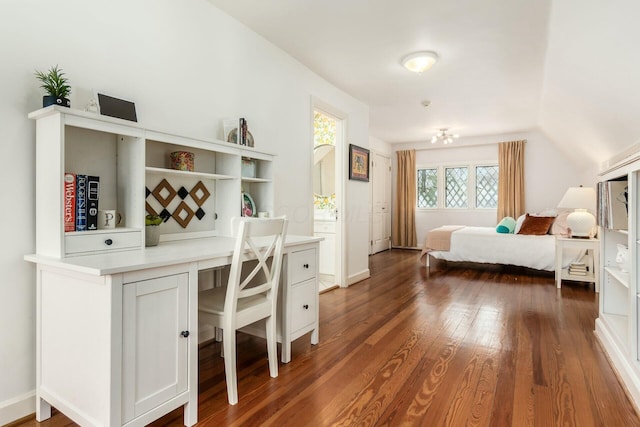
[
  {"x": 442, "y": 135},
  {"x": 419, "y": 62}
]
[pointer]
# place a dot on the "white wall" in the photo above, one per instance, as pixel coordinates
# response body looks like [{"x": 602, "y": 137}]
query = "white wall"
[
  {"x": 380, "y": 146},
  {"x": 548, "y": 174},
  {"x": 590, "y": 99},
  {"x": 186, "y": 65}
]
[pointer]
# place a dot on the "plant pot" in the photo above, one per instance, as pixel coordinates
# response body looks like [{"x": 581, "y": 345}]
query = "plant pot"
[
  {"x": 54, "y": 100},
  {"x": 151, "y": 235}
]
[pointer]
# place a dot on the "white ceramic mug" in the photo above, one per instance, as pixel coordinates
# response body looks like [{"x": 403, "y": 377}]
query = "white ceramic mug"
[{"x": 108, "y": 219}]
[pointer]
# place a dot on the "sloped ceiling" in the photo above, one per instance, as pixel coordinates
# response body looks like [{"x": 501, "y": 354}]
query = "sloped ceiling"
[{"x": 567, "y": 67}]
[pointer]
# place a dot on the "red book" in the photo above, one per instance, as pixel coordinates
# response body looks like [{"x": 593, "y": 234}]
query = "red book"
[{"x": 69, "y": 202}]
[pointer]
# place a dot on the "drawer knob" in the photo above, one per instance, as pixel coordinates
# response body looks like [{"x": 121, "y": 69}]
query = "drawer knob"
[
  {"x": 184, "y": 333},
  {"x": 306, "y": 306},
  {"x": 108, "y": 242},
  {"x": 305, "y": 265}
]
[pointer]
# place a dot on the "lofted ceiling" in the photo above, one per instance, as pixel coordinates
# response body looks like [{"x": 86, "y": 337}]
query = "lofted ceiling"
[{"x": 504, "y": 65}]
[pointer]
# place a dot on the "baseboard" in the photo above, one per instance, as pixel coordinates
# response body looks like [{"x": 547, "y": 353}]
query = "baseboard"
[
  {"x": 355, "y": 278},
  {"x": 18, "y": 407},
  {"x": 625, "y": 372}
]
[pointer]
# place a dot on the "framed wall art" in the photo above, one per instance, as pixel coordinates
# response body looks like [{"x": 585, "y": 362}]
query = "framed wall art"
[{"x": 358, "y": 163}]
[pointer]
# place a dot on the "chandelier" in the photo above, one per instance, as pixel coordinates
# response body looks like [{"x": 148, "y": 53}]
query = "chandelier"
[{"x": 442, "y": 135}]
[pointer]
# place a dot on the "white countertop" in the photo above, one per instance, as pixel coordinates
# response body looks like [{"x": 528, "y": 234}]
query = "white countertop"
[{"x": 166, "y": 253}]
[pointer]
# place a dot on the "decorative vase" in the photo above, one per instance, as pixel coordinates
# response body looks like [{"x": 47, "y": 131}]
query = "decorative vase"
[
  {"x": 151, "y": 235},
  {"x": 54, "y": 100},
  {"x": 622, "y": 258}
]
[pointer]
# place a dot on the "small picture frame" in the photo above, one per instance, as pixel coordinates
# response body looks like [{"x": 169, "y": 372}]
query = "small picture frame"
[
  {"x": 358, "y": 163},
  {"x": 116, "y": 107}
]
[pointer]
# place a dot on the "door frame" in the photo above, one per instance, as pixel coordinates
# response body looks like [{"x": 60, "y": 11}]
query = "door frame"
[{"x": 341, "y": 232}]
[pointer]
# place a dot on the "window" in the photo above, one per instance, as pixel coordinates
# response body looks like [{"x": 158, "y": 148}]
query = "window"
[
  {"x": 427, "y": 188},
  {"x": 487, "y": 187},
  {"x": 455, "y": 187},
  {"x": 463, "y": 187}
]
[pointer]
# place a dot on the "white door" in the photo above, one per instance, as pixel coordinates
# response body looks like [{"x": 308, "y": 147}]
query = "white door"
[
  {"x": 380, "y": 203},
  {"x": 154, "y": 350}
]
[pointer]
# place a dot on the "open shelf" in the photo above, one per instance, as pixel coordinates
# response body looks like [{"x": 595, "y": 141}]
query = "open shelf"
[
  {"x": 174, "y": 172},
  {"x": 245, "y": 179},
  {"x": 619, "y": 275}
]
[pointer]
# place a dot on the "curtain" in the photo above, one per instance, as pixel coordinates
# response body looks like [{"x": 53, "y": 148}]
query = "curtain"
[
  {"x": 404, "y": 220},
  {"x": 511, "y": 179}
]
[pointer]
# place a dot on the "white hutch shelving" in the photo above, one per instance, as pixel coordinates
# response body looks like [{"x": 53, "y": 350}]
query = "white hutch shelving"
[
  {"x": 113, "y": 318},
  {"x": 127, "y": 157},
  {"x": 618, "y": 322}
]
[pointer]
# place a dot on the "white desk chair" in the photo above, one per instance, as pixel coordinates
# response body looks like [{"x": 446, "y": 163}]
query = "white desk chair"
[{"x": 251, "y": 293}]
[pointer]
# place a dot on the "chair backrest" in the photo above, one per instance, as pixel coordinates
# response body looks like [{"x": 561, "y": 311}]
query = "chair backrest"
[{"x": 259, "y": 240}]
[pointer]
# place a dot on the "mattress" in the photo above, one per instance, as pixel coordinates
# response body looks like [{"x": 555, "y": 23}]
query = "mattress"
[{"x": 485, "y": 245}]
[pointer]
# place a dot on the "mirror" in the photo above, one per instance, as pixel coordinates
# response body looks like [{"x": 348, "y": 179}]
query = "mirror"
[{"x": 324, "y": 172}]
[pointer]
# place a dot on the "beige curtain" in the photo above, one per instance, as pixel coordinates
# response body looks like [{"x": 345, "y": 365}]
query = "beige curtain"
[
  {"x": 404, "y": 220},
  {"x": 511, "y": 179}
]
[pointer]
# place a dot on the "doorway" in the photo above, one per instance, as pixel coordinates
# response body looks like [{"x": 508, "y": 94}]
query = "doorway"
[{"x": 328, "y": 135}]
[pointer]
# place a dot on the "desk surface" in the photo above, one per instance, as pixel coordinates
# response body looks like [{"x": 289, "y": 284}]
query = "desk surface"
[{"x": 166, "y": 253}]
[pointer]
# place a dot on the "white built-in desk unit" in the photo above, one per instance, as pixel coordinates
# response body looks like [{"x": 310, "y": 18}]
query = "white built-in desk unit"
[{"x": 117, "y": 323}]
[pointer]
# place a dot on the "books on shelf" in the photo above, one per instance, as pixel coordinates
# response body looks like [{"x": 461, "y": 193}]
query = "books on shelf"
[
  {"x": 93, "y": 189},
  {"x": 613, "y": 204},
  {"x": 80, "y": 205},
  {"x": 69, "y": 202},
  {"x": 81, "y": 202},
  {"x": 578, "y": 269}
]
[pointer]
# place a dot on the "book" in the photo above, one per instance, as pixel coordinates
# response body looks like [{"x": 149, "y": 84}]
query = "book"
[
  {"x": 242, "y": 131},
  {"x": 93, "y": 191},
  {"x": 81, "y": 202},
  {"x": 69, "y": 201}
]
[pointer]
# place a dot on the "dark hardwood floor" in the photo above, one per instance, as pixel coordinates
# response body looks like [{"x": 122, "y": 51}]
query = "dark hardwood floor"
[{"x": 450, "y": 347}]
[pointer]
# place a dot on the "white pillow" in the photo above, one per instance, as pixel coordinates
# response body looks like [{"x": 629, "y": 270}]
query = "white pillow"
[
  {"x": 546, "y": 212},
  {"x": 519, "y": 222}
]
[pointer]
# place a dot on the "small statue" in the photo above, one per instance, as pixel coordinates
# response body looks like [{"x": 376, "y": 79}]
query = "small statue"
[
  {"x": 92, "y": 106},
  {"x": 622, "y": 258}
]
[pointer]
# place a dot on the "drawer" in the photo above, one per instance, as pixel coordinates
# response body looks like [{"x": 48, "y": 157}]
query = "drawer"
[
  {"x": 324, "y": 227},
  {"x": 301, "y": 265},
  {"x": 107, "y": 240},
  {"x": 303, "y": 305}
]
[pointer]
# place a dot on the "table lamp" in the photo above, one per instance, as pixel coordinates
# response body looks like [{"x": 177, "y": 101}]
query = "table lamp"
[{"x": 581, "y": 221}]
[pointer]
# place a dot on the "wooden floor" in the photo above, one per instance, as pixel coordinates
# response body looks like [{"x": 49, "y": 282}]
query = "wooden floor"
[{"x": 452, "y": 347}]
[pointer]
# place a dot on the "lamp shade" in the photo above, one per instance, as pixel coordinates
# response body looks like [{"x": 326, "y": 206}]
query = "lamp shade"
[
  {"x": 579, "y": 198},
  {"x": 581, "y": 222}
]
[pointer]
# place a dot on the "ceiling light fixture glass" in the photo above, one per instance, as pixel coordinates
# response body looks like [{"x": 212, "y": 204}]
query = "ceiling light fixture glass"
[
  {"x": 442, "y": 135},
  {"x": 419, "y": 62}
]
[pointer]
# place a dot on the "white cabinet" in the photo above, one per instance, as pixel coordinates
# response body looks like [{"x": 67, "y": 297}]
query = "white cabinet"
[
  {"x": 298, "y": 300},
  {"x": 155, "y": 345},
  {"x": 618, "y": 321},
  {"x": 111, "y": 349},
  {"x": 326, "y": 230},
  {"x": 83, "y": 143},
  {"x": 299, "y": 304},
  {"x": 136, "y": 178}
]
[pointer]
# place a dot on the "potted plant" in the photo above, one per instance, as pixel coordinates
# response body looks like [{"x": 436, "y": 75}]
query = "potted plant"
[
  {"x": 152, "y": 230},
  {"x": 56, "y": 85}
]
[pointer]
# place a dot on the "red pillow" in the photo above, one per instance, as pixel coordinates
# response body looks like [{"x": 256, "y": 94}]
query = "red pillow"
[{"x": 536, "y": 225}]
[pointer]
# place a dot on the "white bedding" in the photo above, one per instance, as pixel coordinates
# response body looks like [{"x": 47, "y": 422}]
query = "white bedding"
[{"x": 485, "y": 245}]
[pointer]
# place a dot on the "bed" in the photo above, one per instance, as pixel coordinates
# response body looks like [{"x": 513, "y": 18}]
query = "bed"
[{"x": 485, "y": 245}]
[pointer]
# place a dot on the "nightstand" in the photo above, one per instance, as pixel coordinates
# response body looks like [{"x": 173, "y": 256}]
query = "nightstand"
[{"x": 591, "y": 259}]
